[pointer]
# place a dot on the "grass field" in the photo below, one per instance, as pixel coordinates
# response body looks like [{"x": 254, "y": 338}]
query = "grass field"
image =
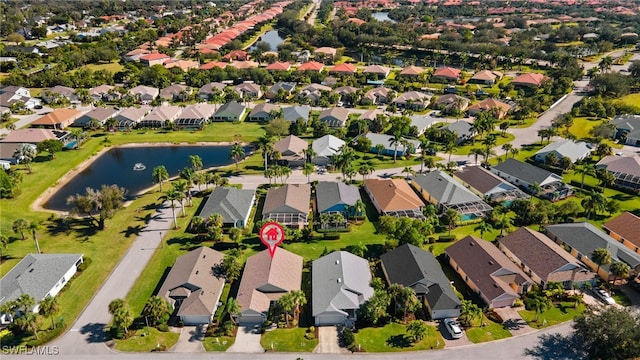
[
  {"x": 113, "y": 67},
  {"x": 631, "y": 100},
  {"x": 145, "y": 343},
  {"x": 559, "y": 313},
  {"x": 393, "y": 337},
  {"x": 219, "y": 343},
  {"x": 288, "y": 340},
  {"x": 493, "y": 331}
]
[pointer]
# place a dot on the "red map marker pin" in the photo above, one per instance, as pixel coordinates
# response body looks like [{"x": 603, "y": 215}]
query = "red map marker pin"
[{"x": 272, "y": 235}]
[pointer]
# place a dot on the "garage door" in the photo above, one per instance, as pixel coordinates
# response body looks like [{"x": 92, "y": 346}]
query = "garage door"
[
  {"x": 250, "y": 319},
  {"x": 327, "y": 320}
]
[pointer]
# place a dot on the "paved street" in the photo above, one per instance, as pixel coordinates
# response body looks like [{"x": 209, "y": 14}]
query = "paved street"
[{"x": 86, "y": 336}]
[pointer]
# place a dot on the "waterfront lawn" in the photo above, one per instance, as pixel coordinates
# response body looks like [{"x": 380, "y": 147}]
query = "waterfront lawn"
[
  {"x": 288, "y": 340},
  {"x": 393, "y": 337},
  {"x": 145, "y": 343},
  {"x": 559, "y": 313},
  {"x": 218, "y": 343}
]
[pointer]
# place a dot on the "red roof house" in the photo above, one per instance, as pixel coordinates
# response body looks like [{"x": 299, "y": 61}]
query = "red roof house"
[
  {"x": 529, "y": 80},
  {"x": 344, "y": 68}
]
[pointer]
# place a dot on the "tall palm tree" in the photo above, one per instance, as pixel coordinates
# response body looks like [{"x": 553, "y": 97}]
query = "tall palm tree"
[
  {"x": 49, "y": 307},
  {"x": 34, "y": 227},
  {"x": 619, "y": 270},
  {"x": 172, "y": 195},
  {"x": 379, "y": 149},
  {"x": 265, "y": 144},
  {"x": 25, "y": 153},
  {"x": 308, "y": 170},
  {"x": 605, "y": 63},
  {"x": 365, "y": 169},
  {"x": 451, "y": 218},
  {"x": 593, "y": 202},
  {"x": 395, "y": 141},
  {"x": 232, "y": 308},
  {"x": 286, "y": 304},
  {"x": 195, "y": 161},
  {"x": 299, "y": 300},
  {"x": 507, "y": 148},
  {"x": 476, "y": 152},
  {"x": 409, "y": 171},
  {"x": 587, "y": 169},
  {"x": 424, "y": 150},
  {"x": 160, "y": 175},
  {"x": 504, "y": 222},
  {"x": 236, "y": 153},
  {"x": 181, "y": 188},
  {"x": 601, "y": 256},
  {"x": 535, "y": 189},
  {"x": 483, "y": 227},
  {"x": 155, "y": 308}
]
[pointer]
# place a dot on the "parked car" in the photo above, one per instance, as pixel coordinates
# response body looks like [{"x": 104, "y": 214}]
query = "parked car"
[
  {"x": 453, "y": 328},
  {"x": 604, "y": 296}
]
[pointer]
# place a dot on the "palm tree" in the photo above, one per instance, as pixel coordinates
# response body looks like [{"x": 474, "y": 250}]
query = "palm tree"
[
  {"x": 605, "y": 63},
  {"x": 379, "y": 149},
  {"x": 535, "y": 189},
  {"x": 19, "y": 226},
  {"x": 409, "y": 171},
  {"x": 358, "y": 208},
  {"x": 483, "y": 227},
  {"x": 450, "y": 218},
  {"x": 469, "y": 312},
  {"x": 233, "y": 309},
  {"x": 504, "y": 222},
  {"x": 619, "y": 270},
  {"x": 172, "y": 195},
  {"x": 514, "y": 152},
  {"x": 160, "y": 175},
  {"x": 265, "y": 144},
  {"x": 25, "y": 153},
  {"x": 287, "y": 305},
  {"x": 299, "y": 300},
  {"x": 507, "y": 148},
  {"x": 594, "y": 201},
  {"x": 429, "y": 162},
  {"x": 476, "y": 152},
  {"x": 195, "y": 161},
  {"x": 308, "y": 170},
  {"x": 359, "y": 249},
  {"x": 181, "y": 189},
  {"x": 236, "y": 153},
  {"x": 424, "y": 149},
  {"x": 34, "y": 227},
  {"x": 49, "y": 307},
  {"x": 395, "y": 141},
  {"x": 601, "y": 256},
  {"x": 540, "y": 304},
  {"x": 4, "y": 240},
  {"x": 365, "y": 169},
  {"x": 155, "y": 308},
  {"x": 28, "y": 321},
  {"x": 587, "y": 169}
]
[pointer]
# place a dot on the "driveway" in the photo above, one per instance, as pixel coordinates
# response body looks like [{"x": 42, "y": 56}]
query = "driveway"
[
  {"x": 190, "y": 340},
  {"x": 328, "y": 341},
  {"x": 450, "y": 342},
  {"x": 247, "y": 341},
  {"x": 512, "y": 320}
]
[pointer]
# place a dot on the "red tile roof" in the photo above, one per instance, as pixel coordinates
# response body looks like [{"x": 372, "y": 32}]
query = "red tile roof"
[
  {"x": 154, "y": 56},
  {"x": 532, "y": 79},
  {"x": 213, "y": 64},
  {"x": 311, "y": 66},
  {"x": 282, "y": 66},
  {"x": 447, "y": 72},
  {"x": 344, "y": 68}
]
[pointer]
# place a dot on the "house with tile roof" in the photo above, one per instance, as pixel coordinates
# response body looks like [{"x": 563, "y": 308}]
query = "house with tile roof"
[
  {"x": 626, "y": 229},
  {"x": 325, "y": 53},
  {"x": 231, "y": 111},
  {"x": 294, "y": 113},
  {"x": 440, "y": 189},
  {"x": 213, "y": 64},
  {"x": 451, "y": 103},
  {"x": 154, "y": 59},
  {"x": 38, "y": 275},
  {"x": 371, "y": 115},
  {"x": 160, "y": 116},
  {"x": 524, "y": 175},
  {"x": 488, "y": 186},
  {"x": 193, "y": 286},
  {"x": 146, "y": 94},
  {"x": 233, "y": 204},
  {"x": 58, "y": 119},
  {"x": 207, "y": 91},
  {"x": 311, "y": 66},
  {"x": 339, "y": 286},
  {"x": 266, "y": 279},
  {"x": 415, "y": 268},
  {"x": 279, "y": 66},
  {"x": 288, "y": 205},
  {"x": 344, "y": 68},
  {"x": 378, "y": 95},
  {"x": 184, "y": 65},
  {"x": 263, "y": 112},
  {"x": 485, "y": 77},
  {"x": 625, "y": 169},
  {"x": 411, "y": 71},
  {"x": 332, "y": 197},
  {"x": 627, "y": 129},
  {"x": 544, "y": 261},
  {"x": 175, "y": 92},
  {"x": 99, "y": 114},
  {"x": 446, "y": 74},
  {"x": 381, "y": 72},
  {"x": 325, "y": 148},
  {"x": 530, "y": 80},
  {"x": 394, "y": 197},
  {"x": 581, "y": 239},
  {"x": 334, "y": 117},
  {"x": 35, "y": 135},
  {"x": 195, "y": 116},
  {"x": 414, "y": 100},
  {"x": 291, "y": 149},
  {"x": 500, "y": 108},
  {"x": 488, "y": 272},
  {"x": 574, "y": 150},
  {"x": 129, "y": 118}
]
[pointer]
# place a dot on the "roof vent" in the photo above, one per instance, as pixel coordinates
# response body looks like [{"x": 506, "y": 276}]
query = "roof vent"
[
  {"x": 204, "y": 256},
  {"x": 337, "y": 262},
  {"x": 339, "y": 280},
  {"x": 491, "y": 262},
  {"x": 197, "y": 271}
]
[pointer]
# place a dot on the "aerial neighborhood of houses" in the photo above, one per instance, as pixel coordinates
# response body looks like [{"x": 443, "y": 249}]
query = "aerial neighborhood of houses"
[{"x": 430, "y": 174}]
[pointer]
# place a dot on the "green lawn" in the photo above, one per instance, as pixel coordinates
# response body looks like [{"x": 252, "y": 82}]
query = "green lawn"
[
  {"x": 493, "y": 331},
  {"x": 113, "y": 67},
  {"x": 631, "y": 100},
  {"x": 621, "y": 298},
  {"x": 393, "y": 337},
  {"x": 218, "y": 343},
  {"x": 288, "y": 340},
  {"x": 466, "y": 148},
  {"x": 145, "y": 343},
  {"x": 560, "y": 313}
]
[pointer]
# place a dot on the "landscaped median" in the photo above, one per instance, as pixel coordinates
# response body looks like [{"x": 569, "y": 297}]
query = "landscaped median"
[{"x": 394, "y": 337}]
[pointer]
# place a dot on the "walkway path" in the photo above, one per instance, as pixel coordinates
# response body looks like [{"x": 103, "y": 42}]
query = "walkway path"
[{"x": 87, "y": 333}]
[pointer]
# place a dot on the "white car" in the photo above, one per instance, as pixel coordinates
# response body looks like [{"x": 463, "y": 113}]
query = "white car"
[
  {"x": 453, "y": 328},
  {"x": 604, "y": 296}
]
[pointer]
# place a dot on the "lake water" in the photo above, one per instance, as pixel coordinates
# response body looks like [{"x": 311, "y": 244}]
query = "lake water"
[
  {"x": 116, "y": 167},
  {"x": 382, "y": 16},
  {"x": 272, "y": 38}
]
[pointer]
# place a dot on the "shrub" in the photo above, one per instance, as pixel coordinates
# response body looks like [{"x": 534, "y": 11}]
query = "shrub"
[
  {"x": 45, "y": 337},
  {"x": 348, "y": 338},
  {"x": 163, "y": 327},
  {"x": 446, "y": 238},
  {"x": 117, "y": 333},
  {"x": 85, "y": 264},
  {"x": 331, "y": 236}
]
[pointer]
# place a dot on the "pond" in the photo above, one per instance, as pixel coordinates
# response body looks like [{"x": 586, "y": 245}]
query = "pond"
[
  {"x": 272, "y": 38},
  {"x": 116, "y": 166},
  {"x": 382, "y": 16}
]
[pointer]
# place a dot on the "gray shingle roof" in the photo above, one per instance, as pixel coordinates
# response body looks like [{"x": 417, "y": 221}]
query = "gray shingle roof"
[
  {"x": 410, "y": 266},
  {"x": 585, "y": 238},
  {"x": 462, "y": 128},
  {"x": 444, "y": 188},
  {"x": 480, "y": 179},
  {"x": 230, "y": 109},
  {"x": 36, "y": 275},
  {"x": 327, "y": 146},
  {"x": 571, "y": 149},
  {"x": 233, "y": 204},
  {"x": 523, "y": 171},
  {"x": 328, "y": 194},
  {"x": 293, "y": 113},
  {"x": 289, "y": 198},
  {"x": 339, "y": 281}
]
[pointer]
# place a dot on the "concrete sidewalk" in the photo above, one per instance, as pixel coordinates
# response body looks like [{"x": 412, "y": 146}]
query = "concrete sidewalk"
[{"x": 87, "y": 333}]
